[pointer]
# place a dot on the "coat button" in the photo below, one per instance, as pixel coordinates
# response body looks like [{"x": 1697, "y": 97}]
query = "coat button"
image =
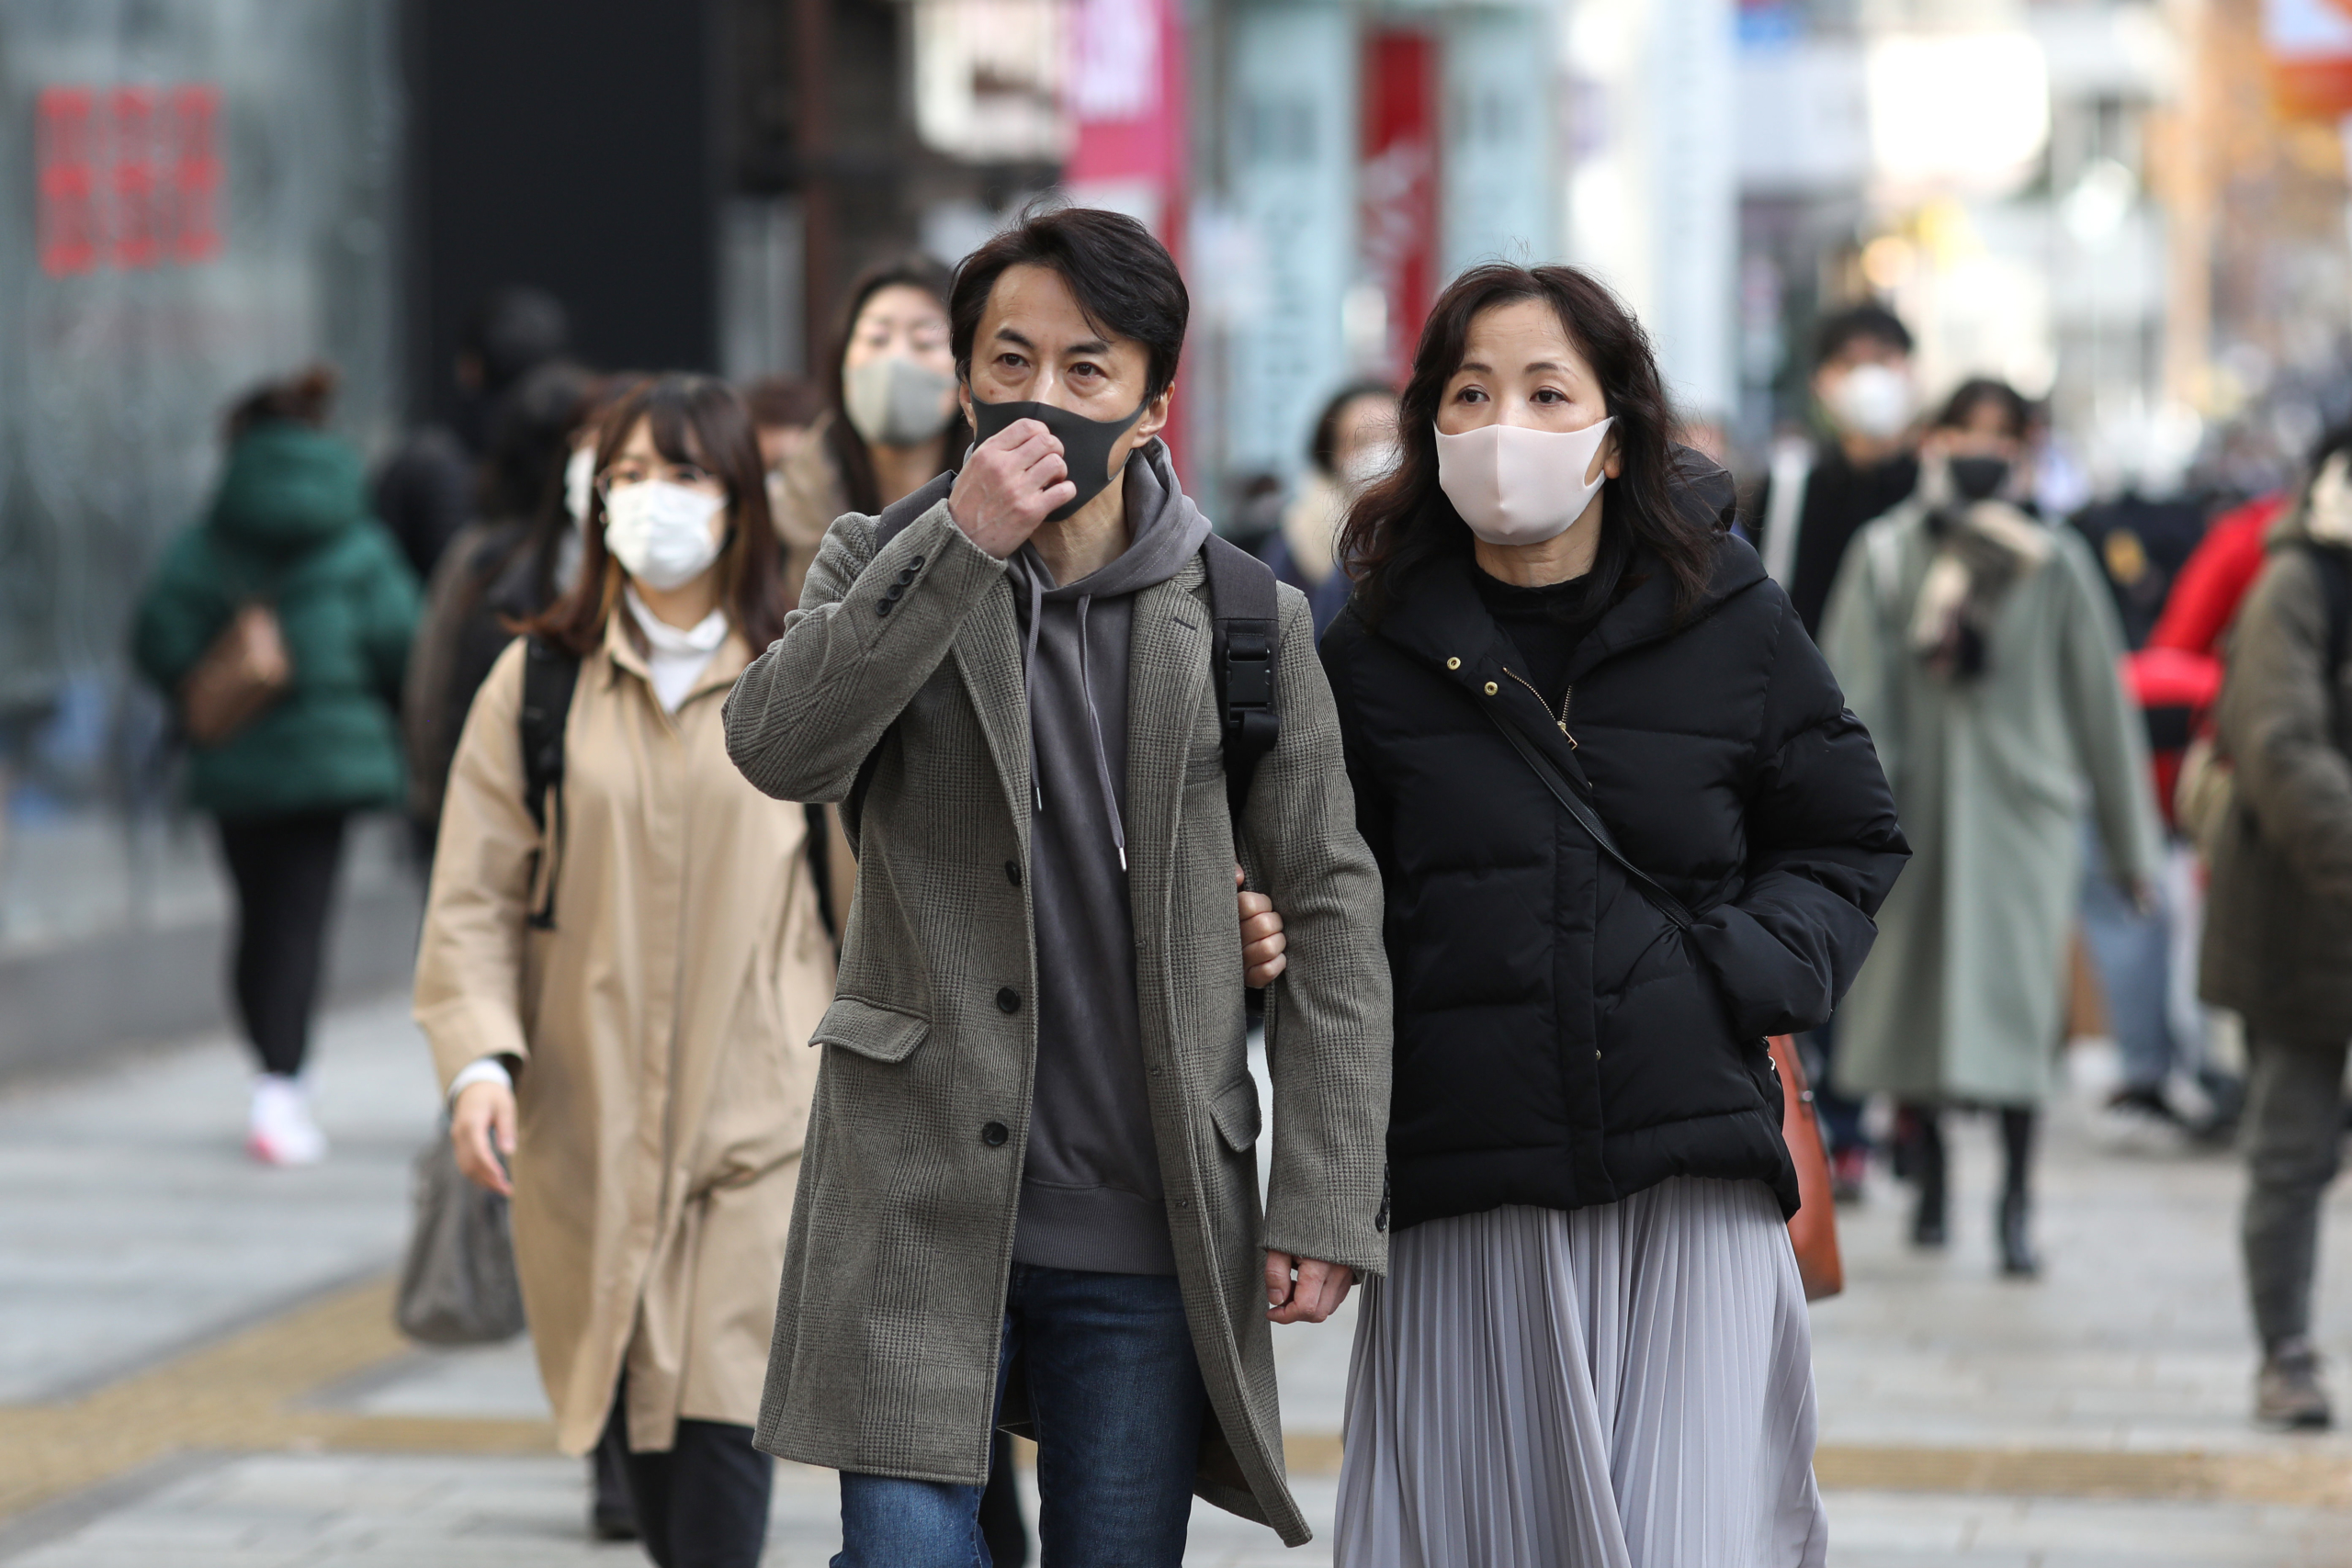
[
  {"x": 1012, "y": 872},
  {"x": 915, "y": 565},
  {"x": 994, "y": 1134},
  {"x": 1008, "y": 1000},
  {"x": 905, "y": 576},
  {"x": 1492, "y": 688},
  {"x": 1453, "y": 664},
  {"x": 884, "y": 608}
]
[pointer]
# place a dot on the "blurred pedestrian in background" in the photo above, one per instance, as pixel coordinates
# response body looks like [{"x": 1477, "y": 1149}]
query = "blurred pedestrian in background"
[
  {"x": 1592, "y": 1341},
  {"x": 621, "y": 964},
  {"x": 426, "y": 491},
  {"x": 892, "y": 424},
  {"x": 787, "y": 411},
  {"x": 1981, "y": 648},
  {"x": 1354, "y": 445},
  {"x": 2279, "y": 926},
  {"x": 496, "y": 573},
  {"x": 290, "y": 593},
  {"x": 1817, "y": 496}
]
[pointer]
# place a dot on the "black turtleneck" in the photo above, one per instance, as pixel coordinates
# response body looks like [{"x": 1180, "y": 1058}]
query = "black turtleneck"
[{"x": 1547, "y": 624}]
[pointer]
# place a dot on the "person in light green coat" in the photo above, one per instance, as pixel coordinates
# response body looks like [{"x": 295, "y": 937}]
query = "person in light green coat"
[
  {"x": 290, "y": 527},
  {"x": 1981, "y": 649}
]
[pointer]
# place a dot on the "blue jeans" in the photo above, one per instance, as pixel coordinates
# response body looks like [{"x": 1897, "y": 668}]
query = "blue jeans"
[{"x": 1119, "y": 1404}]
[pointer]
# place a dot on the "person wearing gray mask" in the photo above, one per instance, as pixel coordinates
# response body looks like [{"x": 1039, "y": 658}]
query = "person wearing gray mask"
[{"x": 891, "y": 421}]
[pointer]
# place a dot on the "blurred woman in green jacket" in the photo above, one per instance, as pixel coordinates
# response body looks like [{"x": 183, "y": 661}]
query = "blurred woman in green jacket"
[{"x": 290, "y": 577}]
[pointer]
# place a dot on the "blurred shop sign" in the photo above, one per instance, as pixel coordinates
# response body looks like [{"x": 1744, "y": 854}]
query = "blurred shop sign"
[
  {"x": 1398, "y": 182},
  {"x": 2310, "y": 46},
  {"x": 1965, "y": 112},
  {"x": 126, "y": 177},
  {"x": 988, "y": 79},
  {"x": 1126, "y": 101},
  {"x": 1803, "y": 115}
]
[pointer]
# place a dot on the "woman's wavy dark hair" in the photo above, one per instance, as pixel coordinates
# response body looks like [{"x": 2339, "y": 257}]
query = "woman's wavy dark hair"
[
  {"x": 1404, "y": 523},
  {"x": 699, "y": 419},
  {"x": 851, "y": 459}
]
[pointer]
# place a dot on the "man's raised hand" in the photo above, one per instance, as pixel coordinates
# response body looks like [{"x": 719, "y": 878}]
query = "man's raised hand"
[{"x": 1008, "y": 485}]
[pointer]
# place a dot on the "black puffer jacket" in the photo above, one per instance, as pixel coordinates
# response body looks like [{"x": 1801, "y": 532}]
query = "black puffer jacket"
[{"x": 1558, "y": 1042}]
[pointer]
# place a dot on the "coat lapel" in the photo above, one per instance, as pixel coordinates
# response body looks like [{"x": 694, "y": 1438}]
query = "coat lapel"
[
  {"x": 988, "y": 652},
  {"x": 1167, "y": 665}
]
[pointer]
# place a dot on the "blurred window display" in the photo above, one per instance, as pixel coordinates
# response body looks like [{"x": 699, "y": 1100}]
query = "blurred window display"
[
  {"x": 209, "y": 188},
  {"x": 989, "y": 77}
]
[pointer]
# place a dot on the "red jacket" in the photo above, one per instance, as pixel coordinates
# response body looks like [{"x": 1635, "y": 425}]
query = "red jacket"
[{"x": 2176, "y": 678}]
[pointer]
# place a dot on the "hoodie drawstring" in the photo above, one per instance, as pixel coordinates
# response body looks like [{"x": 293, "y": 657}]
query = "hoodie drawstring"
[
  {"x": 1094, "y": 727},
  {"x": 1028, "y": 662}
]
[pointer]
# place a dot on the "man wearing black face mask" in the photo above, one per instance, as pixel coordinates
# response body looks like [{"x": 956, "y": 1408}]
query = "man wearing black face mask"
[{"x": 1030, "y": 1184}]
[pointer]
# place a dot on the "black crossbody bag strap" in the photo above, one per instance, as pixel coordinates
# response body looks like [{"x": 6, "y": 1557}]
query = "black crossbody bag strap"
[{"x": 1589, "y": 820}]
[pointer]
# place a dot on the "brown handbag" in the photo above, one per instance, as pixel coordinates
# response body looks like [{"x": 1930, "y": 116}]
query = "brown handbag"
[
  {"x": 242, "y": 673},
  {"x": 1813, "y": 1231}
]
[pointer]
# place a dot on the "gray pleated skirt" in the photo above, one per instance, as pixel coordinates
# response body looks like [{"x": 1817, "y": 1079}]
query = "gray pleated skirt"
[{"x": 1628, "y": 1386}]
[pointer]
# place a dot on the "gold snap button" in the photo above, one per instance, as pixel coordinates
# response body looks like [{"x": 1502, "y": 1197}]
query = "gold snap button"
[
  {"x": 1491, "y": 688},
  {"x": 1453, "y": 664}
]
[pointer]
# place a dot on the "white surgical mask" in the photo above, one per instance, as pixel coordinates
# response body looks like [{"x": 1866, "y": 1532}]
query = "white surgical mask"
[
  {"x": 894, "y": 402},
  {"x": 1517, "y": 486},
  {"x": 1873, "y": 401},
  {"x": 579, "y": 474},
  {"x": 661, "y": 533}
]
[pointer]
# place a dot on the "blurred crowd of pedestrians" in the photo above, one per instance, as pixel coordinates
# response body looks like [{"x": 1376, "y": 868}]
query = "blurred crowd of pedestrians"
[{"x": 2119, "y": 746}]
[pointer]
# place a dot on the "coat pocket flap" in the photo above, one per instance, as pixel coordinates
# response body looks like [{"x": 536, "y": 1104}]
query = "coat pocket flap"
[
  {"x": 1235, "y": 1112},
  {"x": 878, "y": 1033}
]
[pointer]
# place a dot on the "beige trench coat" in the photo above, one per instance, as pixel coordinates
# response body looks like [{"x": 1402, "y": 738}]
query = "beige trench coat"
[{"x": 662, "y": 1027}]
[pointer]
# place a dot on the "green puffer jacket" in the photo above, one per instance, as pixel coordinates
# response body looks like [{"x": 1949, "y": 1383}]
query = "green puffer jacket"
[{"x": 290, "y": 526}]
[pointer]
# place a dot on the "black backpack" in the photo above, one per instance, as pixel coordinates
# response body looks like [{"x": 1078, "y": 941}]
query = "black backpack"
[
  {"x": 549, "y": 676},
  {"x": 1245, "y": 652}
]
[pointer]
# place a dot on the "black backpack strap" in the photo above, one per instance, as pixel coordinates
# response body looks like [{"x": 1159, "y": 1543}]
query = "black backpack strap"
[
  {"x": 549, "y": 677},
  {"x": 1245, "y": 654}
]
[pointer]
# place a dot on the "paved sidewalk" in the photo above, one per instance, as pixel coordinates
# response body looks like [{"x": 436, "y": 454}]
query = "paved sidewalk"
[{"x": 197, "y": 1367}]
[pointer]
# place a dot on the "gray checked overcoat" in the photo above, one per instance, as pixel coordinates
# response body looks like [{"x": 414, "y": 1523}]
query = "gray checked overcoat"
[{"x": 887, "y": 1323}]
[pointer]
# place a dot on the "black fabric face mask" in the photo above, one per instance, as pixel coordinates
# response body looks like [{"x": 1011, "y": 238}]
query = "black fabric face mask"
[
  {"x": 1086, "y": 443},
  {"x": 1978, "y": 478}
]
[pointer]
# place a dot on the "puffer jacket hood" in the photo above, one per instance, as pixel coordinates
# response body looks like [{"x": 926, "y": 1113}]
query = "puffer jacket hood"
[{"x": 287, "y": 488}]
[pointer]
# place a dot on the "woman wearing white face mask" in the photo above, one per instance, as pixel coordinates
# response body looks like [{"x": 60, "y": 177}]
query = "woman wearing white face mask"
[
  {"x": 619, "y": 971},
  {"x": 894, "y": 423},
  {"x": 1591, "y": 1346}
]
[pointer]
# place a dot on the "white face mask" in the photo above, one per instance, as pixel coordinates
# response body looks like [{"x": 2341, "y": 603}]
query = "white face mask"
[
  {"x": 1517, "y": 486},
  {"x": 894, "y": 402},
  {"x": 579, "y": 474},
  {"x": 661, "y": 533},
  {"x": 1873, "y": 401}
]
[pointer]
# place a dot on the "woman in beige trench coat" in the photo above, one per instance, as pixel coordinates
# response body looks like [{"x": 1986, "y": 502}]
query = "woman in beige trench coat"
[{"x": 619, "y": 1007}]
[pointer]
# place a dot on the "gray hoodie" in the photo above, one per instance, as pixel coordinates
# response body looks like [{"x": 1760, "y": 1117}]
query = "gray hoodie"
[{"x": 1090, "y": 1196}]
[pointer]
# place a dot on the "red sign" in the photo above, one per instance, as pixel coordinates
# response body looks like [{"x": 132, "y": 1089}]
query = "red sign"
[
  {"x": 128, "y": 177},
  {"x": 1126, "y": 97},
  {"x": 1398, "y": 181}
]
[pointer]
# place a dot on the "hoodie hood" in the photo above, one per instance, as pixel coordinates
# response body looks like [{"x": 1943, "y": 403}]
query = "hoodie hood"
[
  {"x": 289, "y": 488},
  {"x": 1164, "y": 530}
]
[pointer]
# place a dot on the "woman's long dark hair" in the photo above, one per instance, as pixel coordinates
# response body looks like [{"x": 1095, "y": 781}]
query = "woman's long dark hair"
[
  {"x": 851, "y": 458},
  {"x": 1404, "y": 523},
  {"x": 699, "y": 419}
]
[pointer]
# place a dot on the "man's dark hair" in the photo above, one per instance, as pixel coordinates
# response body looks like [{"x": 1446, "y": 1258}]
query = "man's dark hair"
[
  {"x": 511, "y": 332},
  {"x": 2016, "y": 413},
  {"x": 1859, "y": 323},
  {"x": 1125, "y": 281}
]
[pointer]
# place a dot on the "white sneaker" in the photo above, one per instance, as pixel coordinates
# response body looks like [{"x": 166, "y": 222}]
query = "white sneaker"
[{"x": 280, "y": 1131}]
